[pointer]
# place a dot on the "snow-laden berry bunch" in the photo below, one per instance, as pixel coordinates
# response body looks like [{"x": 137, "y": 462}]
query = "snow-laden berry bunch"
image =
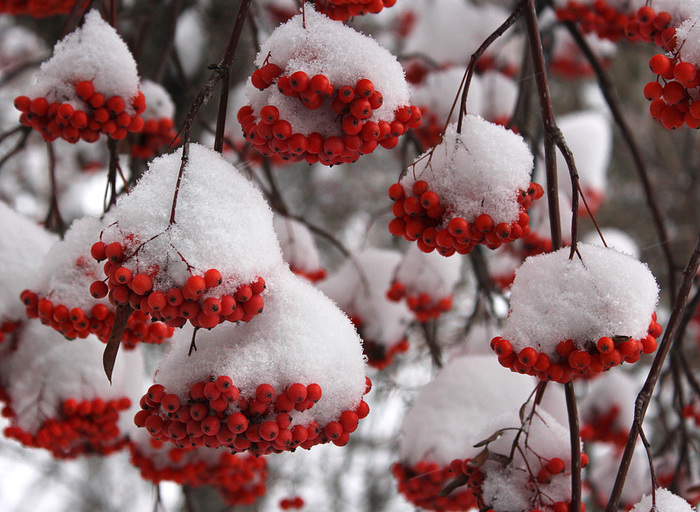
[
  {"x": 447, "y": 437},
  {"x": 675, "y": 94},
  {"x": 359, "y": 288},
  {"x": 266, "y": 386},
  {"x": 426, "y": 281},
  {"x": 158, "y": 125},
  {"x": 325, "y": 93},
  {"x": 298, "y": 248},
  {"x": 88, "y": 87},
  {"x": 607, "y": 411},
  {"x": 578, "y": 315},
  {"x": 472, "y": 188},
  {"x": 59, "y": 295},
  {"x": 59, "y": 397},
  {"x": 171, "y": 253},
  {"x": 238, "y": 478}
]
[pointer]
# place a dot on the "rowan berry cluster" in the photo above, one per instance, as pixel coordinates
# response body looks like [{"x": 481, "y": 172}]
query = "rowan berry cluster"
[
  {"x": 422, "y": 484},
  {"x": 576, "y": 357},
  {"x": 313, "y": 276},
  {"x": 7, "y": 327},
  {"x": 239, "y": 478},
  {"x": 425, "y": 306},
  {"x": 76, "y": 323},
  {"x": 291, "y": 503},
  {"x": 603, "y": 426},
  {"x": 82, "y": 427},
  {"x": 155, "y": 135},
  {"x": 193, "y": 301},
  {"x": 37, "y": 8},
  {"x": 352, "y": 105},
  {"x": 674, "y": 93},
  {"x": 379, "y": 355},
  {"x": 692, "y": 411},
  {"x": 343, "y": 10},
  {"x": 420, "y": 217},
  {"x": 608, "y": 23},
  {"x": 218, "y": 414},
  {"x": 84, "y": 117}
]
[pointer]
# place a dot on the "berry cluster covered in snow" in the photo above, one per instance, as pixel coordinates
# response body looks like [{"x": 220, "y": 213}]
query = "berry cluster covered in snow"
[
  {"x": 90, "y": 86},
  {"x": 325, "y": 93},
  {"x": 158, "y": 126},
  {"x": 472, "y": 188},
  {"x": 585, "y": 314}
]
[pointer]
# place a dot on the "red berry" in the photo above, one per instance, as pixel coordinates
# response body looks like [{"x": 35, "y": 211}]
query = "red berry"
[
  {"x": 141, "y": 284},
  {"x": 299, "y": 81},
  {"x": 212, "y": 278},
  {"x": 659, "y": 64}
]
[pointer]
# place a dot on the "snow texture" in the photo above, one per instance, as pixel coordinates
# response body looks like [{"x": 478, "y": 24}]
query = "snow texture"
[
  {"x": 359, "y": 288},
  {"x": 23, "y": 245},
  {"x": 600, "y": 293},
  {"x": 94, "y": 52},
  {"x": 301, "y": 337},
  {"x": 47, "y": 369},
  {"x": 298, "y": 246},
  {"x": 66, "y": 276},
  {"x": 340, "y": 53},
  {"x": 478, "y": 171},
  {"x": 158, "y": 102},
  {"x": 429, "y": 273},
  {"x": 221, "y": 221},
  {"x": 688, "y": 38},
  {"x": 616, "y": 239},
  {"x": 666, "y": 501}
]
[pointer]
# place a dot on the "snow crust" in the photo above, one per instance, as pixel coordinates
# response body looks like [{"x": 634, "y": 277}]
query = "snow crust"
[
  {"x": 666, "y": 501},
  {"x": 23, "y": 245},
  {"x": 359, "y": 288},
  {"x": 688, "y": 37},
  {"x": 602, "y": 293},
  {"x": 94, "y": 52},
  {"x": 340, "y": 53},
  {"x": 301, "y": 337},
  {"x": 478, "y": 171},
  {"x": 222, "y": 221}
]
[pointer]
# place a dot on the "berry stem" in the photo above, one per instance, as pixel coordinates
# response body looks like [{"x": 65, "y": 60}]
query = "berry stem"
[
  {"x": 611, "y": 99},
  {"x": 644, "y": 396},
  {"x": 54, "y": 221}
]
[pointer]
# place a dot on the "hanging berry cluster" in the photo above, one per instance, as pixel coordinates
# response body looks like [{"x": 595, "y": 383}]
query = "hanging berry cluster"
[
  {"x": 89, "y": 87},
  {"x": 583, "y": 332},
  {"x": 307, "y": 103},
  {"x": 343, "y": 10},
  {"x": 239, "y": 479},
  {"x": 466, "y": 192},
  {"x": 675, "y": 94},
  {"x": 158, "y": 126}
]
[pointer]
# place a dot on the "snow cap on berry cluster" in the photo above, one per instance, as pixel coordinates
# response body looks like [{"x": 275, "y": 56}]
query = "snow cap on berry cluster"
[
  {"x": 359, "y": 288},
  {"x": 470, "y": 398},
  {"x": 221, "y": 221},
  {"x": 23, "y": 245},
  {"x": 158, "y": 101},
  {"x": 429, "y": 273},
  {"x": 666, "y": 501},
  {"x": 480, "y": 170},
  {"x": 298, "y": 246},
  {"x": 340, "y": 53},
  {"x": 688, "y": 39},
  {"x": 601, "y": 293},
  {"x": 94, "y": 52},
  {"x": 301, "y": 338},
  {"x": 47, "y": 369}
]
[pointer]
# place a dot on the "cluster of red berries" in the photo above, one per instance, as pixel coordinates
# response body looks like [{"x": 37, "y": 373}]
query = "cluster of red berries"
[
  {"x": 313, "y": 276},
  {"x": 260, "y": 425},
  {"x": 419, "y": 215},
  {"x": 37, "y": 8},
  {"x": 379, "y": 356},
  {"x": 608, "y": 23},
  {"x": 240, "y": 479},
  {"x": 291, "y": 503},
  {"x": 692, "y": 411},
  {"x": 76, "y": 323},
  {"x": 99, "y": 115},
  {"x": 343, "y": 10},
  {"x": 594, "y": 357},
  {"x": 423, "y": 305},
  {"x": 83, "y": 427},
  {"x": 8, "y": 327},
  {"x": 671, "y": 100},
  {"x": 179, "y": 304},
  {"x": 353, "y": 106},
  {"x": 422, "y": 484},
  {"x": 155, "y": 135},
  {"x": 602, "y": 426}
]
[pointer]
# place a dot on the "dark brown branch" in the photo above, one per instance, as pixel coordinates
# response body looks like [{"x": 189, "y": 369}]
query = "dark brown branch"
[
  {"x": 115, "y": 338},
  {"x": 644, "y": 397},
  {"x": 53, "y": 222}
]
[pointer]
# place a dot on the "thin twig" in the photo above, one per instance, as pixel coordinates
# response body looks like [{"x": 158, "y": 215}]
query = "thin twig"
[{"x": 53, "y": 222}]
